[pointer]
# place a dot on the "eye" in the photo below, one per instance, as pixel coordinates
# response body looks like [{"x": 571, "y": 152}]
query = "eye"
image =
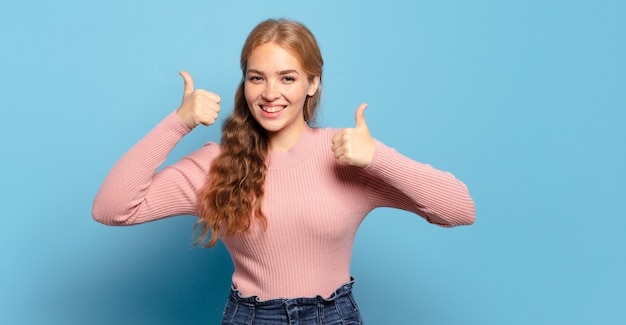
[
  {"x": 289, "y": 79},
  {"x": 255, "y": 79}
]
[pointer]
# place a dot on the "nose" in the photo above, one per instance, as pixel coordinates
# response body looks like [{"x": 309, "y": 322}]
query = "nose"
[{"x": 271, "y": 91}]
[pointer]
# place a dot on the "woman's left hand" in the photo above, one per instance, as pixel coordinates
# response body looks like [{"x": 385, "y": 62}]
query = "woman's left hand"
[{"x": 355, "y": 146}]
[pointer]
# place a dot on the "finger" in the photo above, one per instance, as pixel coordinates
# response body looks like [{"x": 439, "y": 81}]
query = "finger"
[
  {"x": 208, "y": 121},
  {"x": 213, "y": 110},
  {"x": 339, "y": 153},
  {"x": 336, "y": 150},
  {"x": 359, "y": 116},
  {"x": 212, "y": 96},
  {"x": 215, "y": 97},
  {"x": 210, "y": 114},
  {"x": 188, "y": 82},
  {"x": 338, "y": 140},
  {"x": 208, "y": 118},
  {"x": 342, "y": 160}
]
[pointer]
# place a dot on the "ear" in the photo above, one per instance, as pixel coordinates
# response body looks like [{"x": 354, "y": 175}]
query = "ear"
[{"x": 313, "y": 85}]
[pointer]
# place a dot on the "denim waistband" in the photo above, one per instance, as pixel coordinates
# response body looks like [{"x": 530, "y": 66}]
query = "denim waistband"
[{"x": 344, "y": 290}]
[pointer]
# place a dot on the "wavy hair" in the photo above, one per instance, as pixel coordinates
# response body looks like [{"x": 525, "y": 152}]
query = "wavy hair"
[{"x": 233, "y": 193}]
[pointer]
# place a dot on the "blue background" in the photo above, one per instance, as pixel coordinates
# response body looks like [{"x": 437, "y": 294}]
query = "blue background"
[{"x": 523, "y": 100}]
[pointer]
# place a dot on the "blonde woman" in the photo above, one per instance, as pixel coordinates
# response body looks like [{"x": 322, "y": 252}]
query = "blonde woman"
[{"x": 284, "y": 197}]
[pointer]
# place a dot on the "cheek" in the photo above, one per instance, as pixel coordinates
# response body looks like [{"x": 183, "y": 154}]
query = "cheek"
[
  {"x": 296, "y": 93},
  {"x": 246, "y": 90},
  {"x": 248, "y": 94}
]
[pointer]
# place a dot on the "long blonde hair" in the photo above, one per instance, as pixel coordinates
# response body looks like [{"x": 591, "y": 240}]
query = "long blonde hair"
[{"x": 234, "y": 190}]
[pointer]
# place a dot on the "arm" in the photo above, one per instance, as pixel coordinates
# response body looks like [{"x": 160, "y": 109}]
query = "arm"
[
  {"x": 134, "y": 193},
  {"x": 393, "y": 180}
]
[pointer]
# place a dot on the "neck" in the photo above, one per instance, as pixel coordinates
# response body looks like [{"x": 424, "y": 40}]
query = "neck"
[{"x": 285, "y": 139}]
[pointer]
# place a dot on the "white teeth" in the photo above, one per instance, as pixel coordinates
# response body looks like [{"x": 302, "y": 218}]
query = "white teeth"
[{"x": 272, "y": 109}]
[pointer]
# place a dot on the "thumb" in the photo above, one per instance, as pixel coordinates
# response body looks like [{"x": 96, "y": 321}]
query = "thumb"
[
  {"x": 359, "y": 116},
  {"x": 188, "y": 82}
]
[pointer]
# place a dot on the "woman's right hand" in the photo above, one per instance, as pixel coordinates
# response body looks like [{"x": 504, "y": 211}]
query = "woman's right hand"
[{"x": 198, "y": 106}]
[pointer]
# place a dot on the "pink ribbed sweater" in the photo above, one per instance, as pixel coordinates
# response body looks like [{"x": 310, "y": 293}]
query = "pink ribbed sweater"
[{"x": 313, "y": 205}]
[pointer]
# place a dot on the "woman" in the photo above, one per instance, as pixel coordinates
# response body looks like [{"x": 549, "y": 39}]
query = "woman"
[{"x": 285, "y": 198}]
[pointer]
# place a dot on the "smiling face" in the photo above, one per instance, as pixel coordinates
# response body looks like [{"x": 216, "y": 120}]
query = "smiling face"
[{"x": 276, "y": 88}]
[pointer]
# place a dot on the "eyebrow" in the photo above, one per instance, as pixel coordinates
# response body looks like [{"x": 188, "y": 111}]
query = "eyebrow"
[{"x": 283, "y": 72}]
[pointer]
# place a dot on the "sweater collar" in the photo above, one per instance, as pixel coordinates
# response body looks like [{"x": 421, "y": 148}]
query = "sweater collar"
[{"x": 298, "y": 152}]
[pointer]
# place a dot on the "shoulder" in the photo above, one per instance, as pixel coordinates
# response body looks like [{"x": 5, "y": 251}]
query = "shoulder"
[
  {"x": 211, "y": 149},
  {"x": 205, "y": 154},
  {"x": 325, "y": 132}
]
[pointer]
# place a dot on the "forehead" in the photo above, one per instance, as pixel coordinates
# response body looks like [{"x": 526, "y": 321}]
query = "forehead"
[{"x": 272, "y": 57}]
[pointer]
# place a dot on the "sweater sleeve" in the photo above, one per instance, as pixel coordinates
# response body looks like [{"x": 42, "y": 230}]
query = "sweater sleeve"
[
  {"x": 134, "y": 192},
  {"x": 396, "y": 181}
]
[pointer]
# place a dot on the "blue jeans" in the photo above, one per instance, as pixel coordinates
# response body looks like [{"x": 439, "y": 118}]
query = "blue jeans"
[{"x": 339, "y": 309}]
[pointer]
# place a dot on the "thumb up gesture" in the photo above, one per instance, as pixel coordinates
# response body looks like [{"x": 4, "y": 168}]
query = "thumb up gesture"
[
  {"x": 199, "y": 106},
  {"x": 354, "y": 146}
]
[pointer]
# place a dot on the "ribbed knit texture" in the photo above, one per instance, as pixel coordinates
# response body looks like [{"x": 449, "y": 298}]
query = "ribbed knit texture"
[{"x": 313, "y": 205}]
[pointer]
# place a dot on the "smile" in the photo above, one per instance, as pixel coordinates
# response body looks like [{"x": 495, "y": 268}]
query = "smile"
[{"x": 273, "y": 109}]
